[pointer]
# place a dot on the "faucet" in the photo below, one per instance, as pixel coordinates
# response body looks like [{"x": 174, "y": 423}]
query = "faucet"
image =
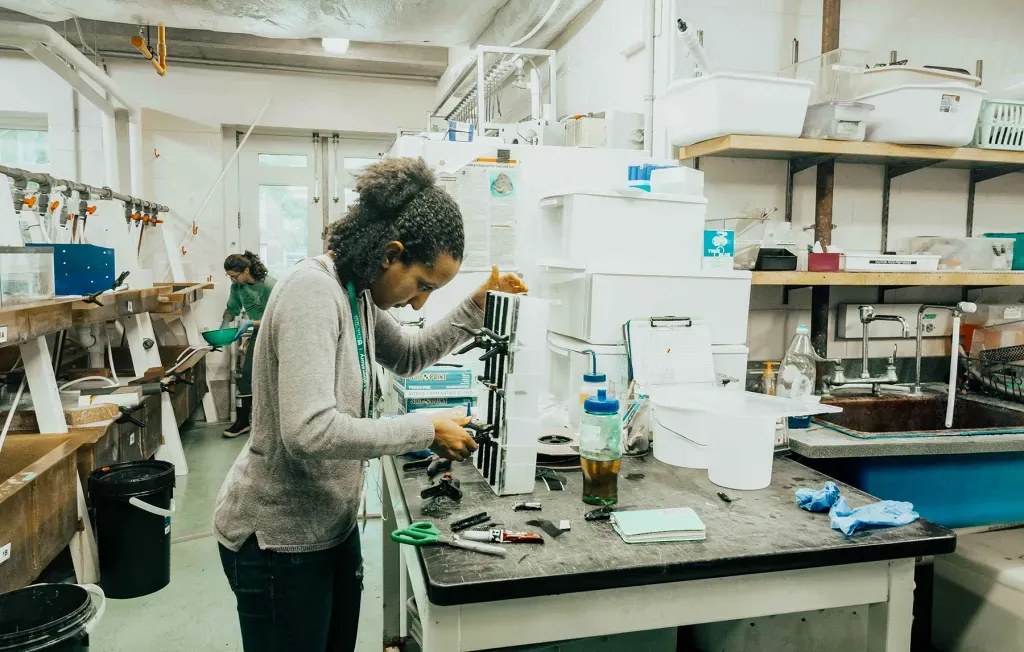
[
  {"x": 959, "y": 310},
  {"x": 867, "y": 316}
]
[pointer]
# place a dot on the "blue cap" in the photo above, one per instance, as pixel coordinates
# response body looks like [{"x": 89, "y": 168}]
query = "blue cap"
[
  {"x": 601, "y": 404},
  {"x": 594, "y": 377}
]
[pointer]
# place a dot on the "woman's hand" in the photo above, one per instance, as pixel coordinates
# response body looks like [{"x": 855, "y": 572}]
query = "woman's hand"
[
  {"x": 509, "y": 283},
  {"x": 450, "y": 440}
]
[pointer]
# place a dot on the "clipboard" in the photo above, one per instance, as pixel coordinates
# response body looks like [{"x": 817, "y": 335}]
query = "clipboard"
[{"x": 668, "y": 350}]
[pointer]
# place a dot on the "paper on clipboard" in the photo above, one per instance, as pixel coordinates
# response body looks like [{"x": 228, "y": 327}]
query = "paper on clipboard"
[
  {"x": 486, "y": 192},
  {"x": 669, "y": 352}
]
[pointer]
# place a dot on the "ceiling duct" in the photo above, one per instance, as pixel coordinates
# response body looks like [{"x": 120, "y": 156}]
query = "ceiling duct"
[{"x": 431, "y": 22}]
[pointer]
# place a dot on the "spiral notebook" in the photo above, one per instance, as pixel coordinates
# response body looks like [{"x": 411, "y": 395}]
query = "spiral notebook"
[{"x": 659, "y": 525}]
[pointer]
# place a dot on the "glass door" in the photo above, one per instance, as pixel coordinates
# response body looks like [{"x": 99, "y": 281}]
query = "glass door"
[{"x": 281, "y": 204}]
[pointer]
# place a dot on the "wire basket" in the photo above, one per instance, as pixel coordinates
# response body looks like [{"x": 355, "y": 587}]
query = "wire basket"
[
  {"x": 999, "y": 371},
  {"x": 1000, "y": 126}
]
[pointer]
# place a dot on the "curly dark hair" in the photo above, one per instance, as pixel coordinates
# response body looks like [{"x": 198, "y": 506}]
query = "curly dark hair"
[
  {"x": 399, "y": 200},
  {"x": 240, "y": 262}
]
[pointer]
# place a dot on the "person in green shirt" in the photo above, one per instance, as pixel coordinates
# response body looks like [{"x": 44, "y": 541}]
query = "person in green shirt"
[{"x": 250, "y": 289}]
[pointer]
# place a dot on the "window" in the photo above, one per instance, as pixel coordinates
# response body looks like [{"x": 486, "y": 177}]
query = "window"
[
  {"x": 24, "y": 148},
  {"x": 353, "y": 164},
  {"x": 283, "y": 214},
  {"x": 282, "y": 160}
]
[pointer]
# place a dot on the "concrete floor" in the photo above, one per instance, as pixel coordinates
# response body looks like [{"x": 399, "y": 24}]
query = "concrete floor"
[{"x": 197, "y": 610}]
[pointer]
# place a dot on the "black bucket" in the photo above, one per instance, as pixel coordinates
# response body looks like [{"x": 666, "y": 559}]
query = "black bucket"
[
  {"x": 52, "y": 617},
  {"x": 134, "y": 540}
]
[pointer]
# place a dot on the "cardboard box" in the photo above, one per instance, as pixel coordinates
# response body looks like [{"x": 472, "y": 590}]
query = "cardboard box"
[{"x": 437, "y": 382}]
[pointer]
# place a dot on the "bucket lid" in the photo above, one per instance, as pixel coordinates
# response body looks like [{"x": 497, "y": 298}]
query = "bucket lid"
[
  {"x": 40, "y": 616},
  {"x": 131, "y": 478},
  {"x": 594, "y": 378},
  {"x": 601, "y": 404}
]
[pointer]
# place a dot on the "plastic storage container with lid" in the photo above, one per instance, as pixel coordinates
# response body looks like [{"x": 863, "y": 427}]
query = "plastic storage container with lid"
[
  {"x": 836, "y": 120},
  {"x": 924, "y": 114},
  {"x": 600, "y": 449},
  {"x": 1018, "y": 247},
  {"x": 886, "y": 77},
  {"x": 979, "y": 254}
]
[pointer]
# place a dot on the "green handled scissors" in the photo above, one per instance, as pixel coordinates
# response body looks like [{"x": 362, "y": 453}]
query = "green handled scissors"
[{"x": 425, "y": 534}]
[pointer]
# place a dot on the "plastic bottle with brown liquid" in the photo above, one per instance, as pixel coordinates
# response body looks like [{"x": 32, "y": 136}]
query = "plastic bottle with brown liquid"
[{"x": 600, "y": 449}]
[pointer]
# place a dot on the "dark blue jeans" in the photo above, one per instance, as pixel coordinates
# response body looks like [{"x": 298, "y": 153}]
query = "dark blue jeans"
[{"x": 301, "y": 602}]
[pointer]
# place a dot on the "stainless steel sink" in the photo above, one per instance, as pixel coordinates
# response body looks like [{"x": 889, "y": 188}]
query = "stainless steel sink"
[{"x": 870, "y": 417}]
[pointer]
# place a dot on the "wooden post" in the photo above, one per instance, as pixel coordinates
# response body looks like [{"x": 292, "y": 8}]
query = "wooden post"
[
  {"x": 826, "y": 171},
  {"x": 823, "y": 195}
]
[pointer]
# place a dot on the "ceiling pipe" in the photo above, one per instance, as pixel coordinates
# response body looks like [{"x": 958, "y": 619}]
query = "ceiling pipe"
[
  {"x": 159, "y": 60},
  {"x": 46, "y": 46}
]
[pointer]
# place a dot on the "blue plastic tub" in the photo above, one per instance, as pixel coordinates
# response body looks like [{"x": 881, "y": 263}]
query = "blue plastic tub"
[{"x": 951, "y": 490}]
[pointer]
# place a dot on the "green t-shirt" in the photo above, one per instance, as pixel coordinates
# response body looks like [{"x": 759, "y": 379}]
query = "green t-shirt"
[{"x": 251, "y": 297}]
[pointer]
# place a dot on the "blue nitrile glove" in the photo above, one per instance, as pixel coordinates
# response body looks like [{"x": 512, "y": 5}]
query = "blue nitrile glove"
[
  {"x": 820, "y": 500},
  {"x": 243, "y": 326},
  {"x": 224, "y": 323},
  {"x": 885, "y": 513}
]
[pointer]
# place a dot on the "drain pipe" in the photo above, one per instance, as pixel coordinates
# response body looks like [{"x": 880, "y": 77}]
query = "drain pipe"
[
  {"x": 649, "y": 29},
  {"x": 46, "y": 46}
]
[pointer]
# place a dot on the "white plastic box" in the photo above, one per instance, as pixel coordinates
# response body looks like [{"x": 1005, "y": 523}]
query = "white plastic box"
[
  {"x": 886, "y": 77},
  {"x": 733, "y": 103},
  {"x": 924, "y": 114},
  {"x": 569, "y": 363},
  {"x": 587, "y": 228},
  {"x": 594, "y": 305},
  {"x": 836, "y": 120},
  {"x": 978, "y": 603},
  {"x": 857, "y": 261},
  {"x": 981, "y": 254}
]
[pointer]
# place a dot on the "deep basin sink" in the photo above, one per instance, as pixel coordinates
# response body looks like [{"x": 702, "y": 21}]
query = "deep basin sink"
[{"x": 919, "y": 416}]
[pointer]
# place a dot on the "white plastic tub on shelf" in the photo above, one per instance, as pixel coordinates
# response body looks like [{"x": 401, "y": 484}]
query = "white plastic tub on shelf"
[
  {"x": 593, "y": 305},
  {"x": 858, "y": 261},
  {"x": 733, "y": 103},
  {"x": 924, "y": 114},
  {"x": 585, "y": 228},
  {"x": 886, "y": 77}
]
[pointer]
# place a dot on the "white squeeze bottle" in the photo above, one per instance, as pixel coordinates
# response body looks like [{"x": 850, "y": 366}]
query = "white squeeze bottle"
[{"x": 797, "y": 373}]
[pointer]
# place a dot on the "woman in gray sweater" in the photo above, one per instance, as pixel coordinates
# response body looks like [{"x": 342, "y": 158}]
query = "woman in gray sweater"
[{"x": 286, "y": 514}]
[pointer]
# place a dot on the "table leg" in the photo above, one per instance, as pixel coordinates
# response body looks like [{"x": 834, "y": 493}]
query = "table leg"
[
  {"x": 391, "y": 582},
  {"x": 43, "y": 386},
  {"x": 889, "y": 623},
  {"x": 442, "y": 631},
  {"x": 84, "y": 555}
]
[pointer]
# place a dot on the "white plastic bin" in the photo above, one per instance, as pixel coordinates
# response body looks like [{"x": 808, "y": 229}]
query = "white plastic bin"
[
  {"x": 1000, "y": 126},
  {"x": 735, "y": 431},
  {"x": 978, "y": 603},
  {"x": 588, "y": 228},
  {"x": 836, "y": 120},
  {"x": 593, "y": 305},
  {"x": 886, "y": 77},
  {"x": 924, "y": 114},
  {"x": 733, "y": 103},
  {"x": 859, "y": 261},
  {"x": 981, "y": 254}
]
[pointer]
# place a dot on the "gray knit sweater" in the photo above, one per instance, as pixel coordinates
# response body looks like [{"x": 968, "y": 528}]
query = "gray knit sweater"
[{"x": 297, "y": 482}]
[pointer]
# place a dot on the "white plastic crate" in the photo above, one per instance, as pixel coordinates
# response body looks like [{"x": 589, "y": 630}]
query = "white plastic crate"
[
  {"x": 734, "y": 103},
  {"x": 1000, "y": 126},
  {"x": 924, "y": 114},
  {"x": 593, "y": 306},
  {"x": 872, "y": 262},
  {"x": 589, "y": 228}
]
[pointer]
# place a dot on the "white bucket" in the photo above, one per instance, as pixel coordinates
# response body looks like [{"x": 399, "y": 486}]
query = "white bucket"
[
  {"x": 681, "y": 436},
  {"x": 730, "y": 433},
  {"x": 741, "y": 453}
]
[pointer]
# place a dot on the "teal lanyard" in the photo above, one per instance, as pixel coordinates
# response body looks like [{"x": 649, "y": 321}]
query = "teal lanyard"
[{"x": 360, "y": 342}]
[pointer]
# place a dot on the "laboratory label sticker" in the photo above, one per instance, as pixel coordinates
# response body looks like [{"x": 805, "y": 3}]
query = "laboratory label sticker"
[
  {"x": 949, "y": 104},
  {"x": 167, "y": 525},
  {"x": 5, "y": 552}
]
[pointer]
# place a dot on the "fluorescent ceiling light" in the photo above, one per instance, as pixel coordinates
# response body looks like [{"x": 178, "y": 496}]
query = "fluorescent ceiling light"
[{"x": 334, "y": 45}]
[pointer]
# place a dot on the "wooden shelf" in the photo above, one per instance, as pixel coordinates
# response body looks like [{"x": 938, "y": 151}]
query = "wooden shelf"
[
  {"x": 890, "y": 279},
  {"x": 772, "y": 147}
]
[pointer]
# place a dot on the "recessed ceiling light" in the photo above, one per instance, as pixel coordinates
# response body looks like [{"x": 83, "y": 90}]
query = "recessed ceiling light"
[{"x": 334, "y": 45}]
